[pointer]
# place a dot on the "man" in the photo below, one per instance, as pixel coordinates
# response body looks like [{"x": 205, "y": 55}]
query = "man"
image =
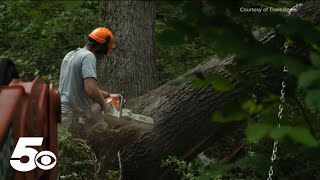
[{"x": 78, "y": 80}]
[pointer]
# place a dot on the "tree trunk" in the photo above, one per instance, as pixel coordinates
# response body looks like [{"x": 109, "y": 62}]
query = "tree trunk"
[
  {"x": 131, "y": 68},
  {"x": 183, "y": 127}
]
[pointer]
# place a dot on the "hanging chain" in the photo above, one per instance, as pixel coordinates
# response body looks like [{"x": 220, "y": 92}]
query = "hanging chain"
[
  {"x": 280, "y": 113},
  {"x": 283, "y": 84}
]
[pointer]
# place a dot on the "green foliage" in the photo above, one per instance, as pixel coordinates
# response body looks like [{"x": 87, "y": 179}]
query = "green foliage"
[
  {"x": 312, "y": 100},
  {"x": 186, "y": 170},
  {"x": 256, "y": 132},
  {"x": 174, "y": 53},
  {"x": 78, "y": 161},
  {"x": 216, "y": 81},
  {"x": 245, "y": 167},
  {"x": 315, "y": 59},
  {"x": 293, "y": 162},
  {"x": 37, "y": 34},
  {"x": 173, "y": 61},
  {"x": 309, "y": 78},
  {"x": 224, "y": 29}
]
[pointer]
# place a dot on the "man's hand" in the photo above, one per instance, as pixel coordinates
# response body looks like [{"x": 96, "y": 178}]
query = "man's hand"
[
  {"x": 106, "y": 94},
  {"x": 115, "y": 95}
]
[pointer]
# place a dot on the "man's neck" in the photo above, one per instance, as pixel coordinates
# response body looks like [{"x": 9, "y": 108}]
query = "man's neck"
[
  {"x": 93, "y": 51},
  {"x": 88, "y": 48}
]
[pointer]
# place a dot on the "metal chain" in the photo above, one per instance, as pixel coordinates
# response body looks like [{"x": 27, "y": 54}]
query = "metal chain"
[
  {"x": 280, "y": 113},
  {"x": 282, "y": 100}
]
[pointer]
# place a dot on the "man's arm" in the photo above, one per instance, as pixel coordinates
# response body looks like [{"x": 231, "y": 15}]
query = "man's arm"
[
  {"x": 94, "y": 93},
  {"x": 104, "y": 94}
]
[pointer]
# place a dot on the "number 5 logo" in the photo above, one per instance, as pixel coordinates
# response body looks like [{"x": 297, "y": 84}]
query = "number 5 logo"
[{"x": 23, "y": 149}]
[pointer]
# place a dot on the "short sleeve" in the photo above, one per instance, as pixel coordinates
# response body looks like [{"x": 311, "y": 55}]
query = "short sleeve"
[{"x": 89, "y": 67}]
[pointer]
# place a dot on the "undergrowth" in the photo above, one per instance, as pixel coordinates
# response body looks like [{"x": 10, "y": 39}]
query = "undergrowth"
[{"x": 78, "y": 161}]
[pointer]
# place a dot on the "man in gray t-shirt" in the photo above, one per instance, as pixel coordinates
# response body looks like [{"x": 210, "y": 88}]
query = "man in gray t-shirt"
[
  {"x": 76, "y": 66},
  {"x": 78, "y": 78}
]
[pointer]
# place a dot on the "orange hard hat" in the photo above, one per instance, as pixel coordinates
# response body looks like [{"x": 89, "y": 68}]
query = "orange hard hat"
[{"x": 103, "y": 35}]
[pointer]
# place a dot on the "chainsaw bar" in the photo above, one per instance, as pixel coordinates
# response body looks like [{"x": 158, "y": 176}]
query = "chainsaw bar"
[
  {"x": 123, "y": 112},
  {"x": 137, "y": 117}
]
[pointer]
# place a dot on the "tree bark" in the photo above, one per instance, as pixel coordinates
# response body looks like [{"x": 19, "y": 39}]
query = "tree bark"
[
  {"x": 131, "y": 68},
  {"x": 183, "y": 127}
]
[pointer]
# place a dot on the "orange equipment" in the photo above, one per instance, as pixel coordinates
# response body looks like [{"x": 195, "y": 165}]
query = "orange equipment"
[
  {"x": 117, "y": 109},
  {"x": 115, "y": 101},
  {"x": 28, "y": 109},
  {"x": 103, "y": 36}
]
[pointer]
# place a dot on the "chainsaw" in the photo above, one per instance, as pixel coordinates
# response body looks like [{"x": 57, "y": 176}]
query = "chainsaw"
[{"x": 117, "y": 109}]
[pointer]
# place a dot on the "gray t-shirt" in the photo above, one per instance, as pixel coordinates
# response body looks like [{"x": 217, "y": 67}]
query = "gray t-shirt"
[{"x": 76, "y": 66}]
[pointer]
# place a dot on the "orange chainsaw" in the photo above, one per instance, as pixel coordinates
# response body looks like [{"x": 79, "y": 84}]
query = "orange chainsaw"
[{"x": 117, "y": 109}]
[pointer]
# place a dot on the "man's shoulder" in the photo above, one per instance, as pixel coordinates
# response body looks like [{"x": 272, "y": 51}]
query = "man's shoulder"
[
  {"x": 87, "y": 56},
  {"x": 80, "y": 52},
  {"x": 79, "y": 55}
]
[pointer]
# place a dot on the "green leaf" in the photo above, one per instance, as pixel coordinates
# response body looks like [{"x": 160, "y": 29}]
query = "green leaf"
[
  {"x": 279, "y": 133},
  {"x": 309, "y": 78},
  {"x": 303, "y": 136},
  {"x": 315, "y": 59},
  {"x": 198, "y": 83},
  {"x": 256, "y": 132},
  {"x": 220, "y": 116},
  {"x": 315, "y": 46},
  {"x": 36, "y": 73},
  {"x": 231, "y": 112},
  {"x": 216, "y": 81},
  {"x": 294, "y": 66},
  {"x": 221, "y": 83},
  {"x": 312, "y": 99},
  {"x": 251, "y": 107}
]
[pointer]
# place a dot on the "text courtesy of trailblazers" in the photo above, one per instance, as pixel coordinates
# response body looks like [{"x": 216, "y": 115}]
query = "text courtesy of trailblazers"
[
  {"x": 44, "y": 160},
  {"x": 264, "y": 10}
]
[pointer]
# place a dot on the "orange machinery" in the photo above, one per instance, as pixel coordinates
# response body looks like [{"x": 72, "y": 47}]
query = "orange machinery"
[{"x": 28, "y": 109}]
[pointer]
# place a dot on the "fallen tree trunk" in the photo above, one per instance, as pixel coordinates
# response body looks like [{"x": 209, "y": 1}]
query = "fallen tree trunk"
[{"x": 182, "y": 127}]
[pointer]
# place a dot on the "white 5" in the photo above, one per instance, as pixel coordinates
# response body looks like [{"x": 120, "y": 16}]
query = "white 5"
[{"x": 22, "y": 150}]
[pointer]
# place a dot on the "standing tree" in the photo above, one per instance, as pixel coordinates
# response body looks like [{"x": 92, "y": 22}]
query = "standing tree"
[{"x": 131, "y": 68}]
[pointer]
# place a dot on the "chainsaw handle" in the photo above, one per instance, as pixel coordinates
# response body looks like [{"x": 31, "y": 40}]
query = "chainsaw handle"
[{"x": 121, "y": 99}]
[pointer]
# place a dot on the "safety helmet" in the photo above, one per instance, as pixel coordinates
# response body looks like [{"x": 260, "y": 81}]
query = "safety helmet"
[{"x": 104, "y": 36}]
